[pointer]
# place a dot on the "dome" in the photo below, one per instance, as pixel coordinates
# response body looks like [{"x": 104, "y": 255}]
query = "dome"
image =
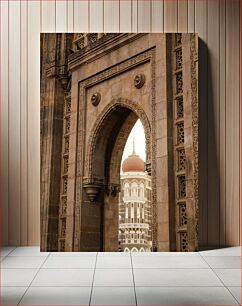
[{"x": 133, "y": 163}]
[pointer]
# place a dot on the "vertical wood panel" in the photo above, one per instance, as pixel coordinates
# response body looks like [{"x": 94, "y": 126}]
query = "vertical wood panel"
[
  {"x": 14, "y": 122},
  {"x": 96, "y": 16},
  {"x": 213, "y": 123},
  {"x": 24, "y": 126},
  {"x": 48, "y": 15},
  {"x": 134, "y": 15},
  {"x": 201, "y": 28},
  {"x": 144, "y": 15},
  {"x": 111, "y": 16},
  {"x": 157, "y": 22},
  {"x": 4, "y": 122},
  {"x": 183, "y": 16},
  {"x": 170, "y": 16},
  {"x": 61, "y": 16},
  {"x": 34, "y": 121},
  {"x": 191, "y": 16},
  {"x": 232, "y": 122},
  {"x": 222, "y": 120},
  {"x": 70, "y": 15},
  {"x": 126, "y": 16},
  {"x": 240, "y": 125},
  {"x": 81, "y": 13}
]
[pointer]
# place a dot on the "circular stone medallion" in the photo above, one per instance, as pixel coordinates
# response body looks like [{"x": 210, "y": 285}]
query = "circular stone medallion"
[
  {"x": 139, "y": 80},
  {"x": 96, "y": 98}
]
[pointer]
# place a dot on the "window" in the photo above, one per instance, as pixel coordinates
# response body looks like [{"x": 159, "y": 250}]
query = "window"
[
  {"x": 126, "y": 189},
  {"x": 141, "y": 190},
  {"x": 134, "y": 189}
]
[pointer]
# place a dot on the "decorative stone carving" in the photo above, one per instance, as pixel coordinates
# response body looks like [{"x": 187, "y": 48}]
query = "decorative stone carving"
[
  {"x": 179, "y": 83},
  {"x": 92, "y": 37},
  {"x": 67, "y": 125},
  {"x": 63, "y": 205},
  {"x": 96, "y": 98},
  {"x": 148, "y": 166},
  {"x": 86, "y": 41},
  {"x": 154, "y": 223},
  {"x": 62, "y": 245},
  {"x": 139, "y": 80},
  {"x": 179, "y": 59},
  {"x": 178, "y": 37},
  {"x": 79, "y": 40},
  {"x": 195, "y": 120},
  {"x": 113, "y": 189},
  {"x": 92, "y": 191},
  {"x": 181, "y": 186},
  {"x": 179, "y": 149},
  {"x": 65, "y": 183},
  {"x": 64, "y": 80},
  {"x": 66, "y": 144},
  {"x": 63, "y": 227},
  {"x": 67, "y": 105},
  {"x": 65, "y": 164},
  {"x": 180, "y": 133},
  {"x": 183, "y": 242},
  {"x": 182, "y": 214},
  {"x": 181, "y": 160},
  {"x": 179, "y": 107}
]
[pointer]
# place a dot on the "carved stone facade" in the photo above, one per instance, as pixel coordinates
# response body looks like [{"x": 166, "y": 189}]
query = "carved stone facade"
[
  {"x": 135, "y": 215},
  {"x": 93, "y": 89}
]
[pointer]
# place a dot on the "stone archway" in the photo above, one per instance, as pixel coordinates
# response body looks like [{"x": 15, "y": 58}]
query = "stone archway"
[{"x": 102, "y": 167}]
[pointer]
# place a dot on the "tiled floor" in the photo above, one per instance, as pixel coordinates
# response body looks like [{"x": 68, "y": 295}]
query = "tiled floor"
[{"x": 29, "y": 277}]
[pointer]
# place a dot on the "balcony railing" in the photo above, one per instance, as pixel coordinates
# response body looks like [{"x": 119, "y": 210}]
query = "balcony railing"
[{"x": 132, "y": 225}]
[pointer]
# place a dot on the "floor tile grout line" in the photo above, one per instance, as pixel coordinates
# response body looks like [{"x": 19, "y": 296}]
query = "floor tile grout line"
[
  {"x": 24, "y": 268},
  {"x": 105, "y": 286},
  {"x": 239, "y": 302},
  {"x": 33, "y": 279},
  {"x": 3, "y": 258},
  {"x": 90, "y": 299},
  {"x": 221, "y": 280},
  {"x": 135, "y": 296},
  {"x": 14, "y": 248},
  {"x": 117, "y": 268}
]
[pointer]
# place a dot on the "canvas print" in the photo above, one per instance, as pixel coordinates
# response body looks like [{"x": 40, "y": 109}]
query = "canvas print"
[{"x": 119, "y": 142}]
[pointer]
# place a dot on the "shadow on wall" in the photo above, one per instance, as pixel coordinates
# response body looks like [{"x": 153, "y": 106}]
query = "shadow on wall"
[{"x": 210, "y": 227}]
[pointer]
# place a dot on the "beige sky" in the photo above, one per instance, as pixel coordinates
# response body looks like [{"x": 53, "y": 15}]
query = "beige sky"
[{"x": 138, "y": 135}]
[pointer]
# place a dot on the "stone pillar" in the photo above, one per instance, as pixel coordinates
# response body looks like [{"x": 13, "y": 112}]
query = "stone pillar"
[
  {"x": 190, "y": 79},
  {"x": 164, "y": 147},
  {"x": 54, "y": 82},
  {"x": 51, "y": 140}
]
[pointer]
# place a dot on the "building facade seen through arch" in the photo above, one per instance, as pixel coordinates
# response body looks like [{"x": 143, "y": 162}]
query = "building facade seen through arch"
[{"x": 135, "y": 218}]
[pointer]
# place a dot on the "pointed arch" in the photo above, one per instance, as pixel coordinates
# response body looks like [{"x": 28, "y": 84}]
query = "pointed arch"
[{"x": 121, "y": 104}]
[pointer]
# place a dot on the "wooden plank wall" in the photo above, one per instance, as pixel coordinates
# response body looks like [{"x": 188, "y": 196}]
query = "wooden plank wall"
[{"x": 217, "y": 23}]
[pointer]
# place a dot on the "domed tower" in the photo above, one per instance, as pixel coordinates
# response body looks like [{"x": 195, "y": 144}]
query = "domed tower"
[
  {"x": 133, "y": 163},
  {"x": 135, "y": 206}
]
